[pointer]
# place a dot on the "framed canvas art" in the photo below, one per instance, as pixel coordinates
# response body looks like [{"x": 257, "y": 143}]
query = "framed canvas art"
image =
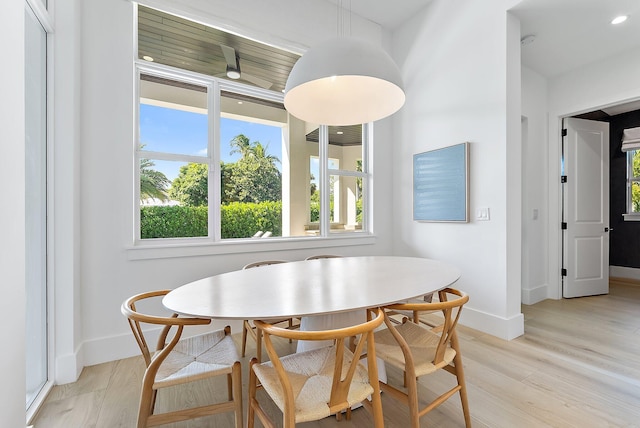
[{"x": 440, "y": 184}]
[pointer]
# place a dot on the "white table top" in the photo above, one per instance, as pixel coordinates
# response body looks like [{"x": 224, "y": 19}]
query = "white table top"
[{"x": 311, "y": 287}]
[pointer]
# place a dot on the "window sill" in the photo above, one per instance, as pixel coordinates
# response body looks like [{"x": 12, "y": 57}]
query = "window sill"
[
  {"x": 631, "y": 217},
  {"x": 169, "y": 250}
]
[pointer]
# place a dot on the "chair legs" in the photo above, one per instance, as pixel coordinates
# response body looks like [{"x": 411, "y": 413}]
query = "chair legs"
[
  {"x": 253, "y": 405},
  {"x": 244, "y": 337},
  {"x": 459, "y": 372},
  {"x": 147, "y": 400},
  {"x": 147, "y": 418},
  {"x": 411, "y": 399},
  {"x": 236, "y": 375},
  {"x": 412, "y": 393},
  {"x": 248, "y": 329}
]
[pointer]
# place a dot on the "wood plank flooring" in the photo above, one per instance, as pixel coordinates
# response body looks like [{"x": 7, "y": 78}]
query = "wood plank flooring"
[{"x": 577, "y": 365}]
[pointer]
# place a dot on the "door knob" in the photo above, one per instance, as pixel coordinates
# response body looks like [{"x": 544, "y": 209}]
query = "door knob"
[{"x": 606, "y": 229}]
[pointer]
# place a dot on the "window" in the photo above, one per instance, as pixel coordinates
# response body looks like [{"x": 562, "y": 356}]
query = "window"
[
  {"x": 37, "y": 24},
  {"x": 633, "y": 182},
  {"x": 345, "y": 179},
  {"x": 220, "y": 159}
]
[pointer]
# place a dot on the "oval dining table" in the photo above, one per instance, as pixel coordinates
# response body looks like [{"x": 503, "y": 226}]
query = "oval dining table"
[
  {"x": 325, "y": 293},
  {"x": 311, "y": 287}
]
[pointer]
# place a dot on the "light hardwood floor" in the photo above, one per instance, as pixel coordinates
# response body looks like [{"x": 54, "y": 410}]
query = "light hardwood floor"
[{"x": 577, "y": 365}]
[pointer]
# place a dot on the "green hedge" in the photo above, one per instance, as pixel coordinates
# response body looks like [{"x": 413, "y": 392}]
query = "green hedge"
[
  {"x": 244, "y": 219},
  {"x": 238, "y": 220},
  {"x": 173, "y": 222}
]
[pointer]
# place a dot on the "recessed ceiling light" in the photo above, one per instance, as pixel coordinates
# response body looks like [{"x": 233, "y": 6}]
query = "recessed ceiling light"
[
  {"x": 147, "y": 58},
  {"x": 339, "y": 132},
  {"x": 619, "y": 19},
  {"x": 239, "y": 102}
]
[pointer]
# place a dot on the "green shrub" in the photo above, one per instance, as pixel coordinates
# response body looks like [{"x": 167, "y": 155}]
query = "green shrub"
[
  {"x": 315, "y": 211},
  {"x": 244, "y": 219},
  {"x": 238, "y": 220},
  {"x": 173, "y": 222}
]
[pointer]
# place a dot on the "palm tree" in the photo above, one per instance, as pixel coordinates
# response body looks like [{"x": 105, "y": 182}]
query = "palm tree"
[
  {"x": 241, "y": 144},
  {"x": 260, "y": 151},
  {"x": 153, "y": 183}
]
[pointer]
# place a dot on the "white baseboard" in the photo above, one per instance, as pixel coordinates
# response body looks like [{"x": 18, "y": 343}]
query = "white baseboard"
[
  {"x": 504, "y": 328},
  {"x": 68, "y": 368},
  {"x": 534, "y": 295},
  {"x": 624, "y": 272}
]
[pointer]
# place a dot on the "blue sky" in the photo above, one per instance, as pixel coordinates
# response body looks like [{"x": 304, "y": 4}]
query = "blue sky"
[{"x": 176, "y": 131}]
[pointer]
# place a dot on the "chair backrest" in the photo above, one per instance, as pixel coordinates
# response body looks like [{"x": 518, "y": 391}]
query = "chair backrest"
[
  {"x": 137, "y": 319},
  {"x": 323, "y": 256},
  {"x": 341, "y": 381},
  {"x": 450, "y": 309},
  {"x": 263, "y": 263}
]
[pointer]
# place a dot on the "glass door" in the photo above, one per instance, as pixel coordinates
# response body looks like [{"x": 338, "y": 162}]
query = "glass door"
[{"x": 36, "y": 204}]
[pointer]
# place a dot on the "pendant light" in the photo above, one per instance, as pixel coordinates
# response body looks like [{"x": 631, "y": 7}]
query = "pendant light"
[{"x": 344, "y": 81}]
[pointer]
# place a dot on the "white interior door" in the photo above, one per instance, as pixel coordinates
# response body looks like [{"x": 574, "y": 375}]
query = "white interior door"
[{"x": 586, "y": 208}]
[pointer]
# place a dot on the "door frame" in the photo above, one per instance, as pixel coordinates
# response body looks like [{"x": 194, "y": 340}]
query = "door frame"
[
  {"x": 45, "y": 18},
  {"x": 555, "y": 192}
]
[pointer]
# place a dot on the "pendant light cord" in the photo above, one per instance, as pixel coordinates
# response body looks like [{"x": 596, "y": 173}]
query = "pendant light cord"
[{"x": 341, "y": 18}]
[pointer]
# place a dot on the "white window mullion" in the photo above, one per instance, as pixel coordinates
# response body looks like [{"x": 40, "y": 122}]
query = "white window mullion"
[
  {"x": 136, "y": 159},
  {"x": 325, "y": 210},
  {"x": 367, "y": 181},
  {"x": 215, "y": 185}
]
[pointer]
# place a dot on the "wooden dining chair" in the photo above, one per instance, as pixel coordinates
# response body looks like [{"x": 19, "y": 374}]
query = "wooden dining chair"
[
  {"x": 323, "y": 256},
  {"x": 419, "y": 351},
  {"x": 413, "y": 316},
  {"x": 177, "y": 360},
  {"x": 248, "y": 329},
  {"x": 315, "y": 384}
]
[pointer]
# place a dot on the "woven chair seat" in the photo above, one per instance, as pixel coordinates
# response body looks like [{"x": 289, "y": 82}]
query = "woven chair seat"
[
  {"x": 311, "y": 375},
  {"x": 197, "y": 357},
  {"x": 422, "y": 342},
  {"x": 177, "y": 360}
]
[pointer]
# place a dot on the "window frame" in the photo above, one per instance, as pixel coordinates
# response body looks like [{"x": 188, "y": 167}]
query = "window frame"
[
  {"x": 41, "y": 10},
  {"x": 630, "y": 215},
  {"x": 157, "y": 70},
  {"x": 210, "y": 244}
]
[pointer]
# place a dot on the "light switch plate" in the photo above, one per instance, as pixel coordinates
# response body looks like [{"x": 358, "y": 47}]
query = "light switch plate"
[{"x": 482, "y": 214}]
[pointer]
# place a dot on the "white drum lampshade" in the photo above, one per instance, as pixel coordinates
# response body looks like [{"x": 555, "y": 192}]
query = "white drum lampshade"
[{"x": 344, "y": 81}]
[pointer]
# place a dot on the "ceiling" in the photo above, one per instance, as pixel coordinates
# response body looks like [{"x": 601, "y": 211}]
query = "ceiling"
[
  {"x": 568, "y": 34},
  {"x": 185, "y": 44},
  {"x": 388, "y": 13},
  {"x": 572, "y": 33}
]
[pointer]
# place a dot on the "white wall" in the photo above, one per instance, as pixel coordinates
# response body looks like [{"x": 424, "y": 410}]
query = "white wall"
[
  {"x": 535, "y": 173},
  {"x": 454, "y": 59},
  {"x": 12, "y": 216},
  {"x": 105, "y": 186}
]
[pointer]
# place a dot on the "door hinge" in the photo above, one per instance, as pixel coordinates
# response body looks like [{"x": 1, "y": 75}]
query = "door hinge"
[
  {"x": 564, "y": 272},
  {"x": 563, "y": 225},
  {"x": 563, "y": 179},
  {"x": 564, "y": 132}
]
